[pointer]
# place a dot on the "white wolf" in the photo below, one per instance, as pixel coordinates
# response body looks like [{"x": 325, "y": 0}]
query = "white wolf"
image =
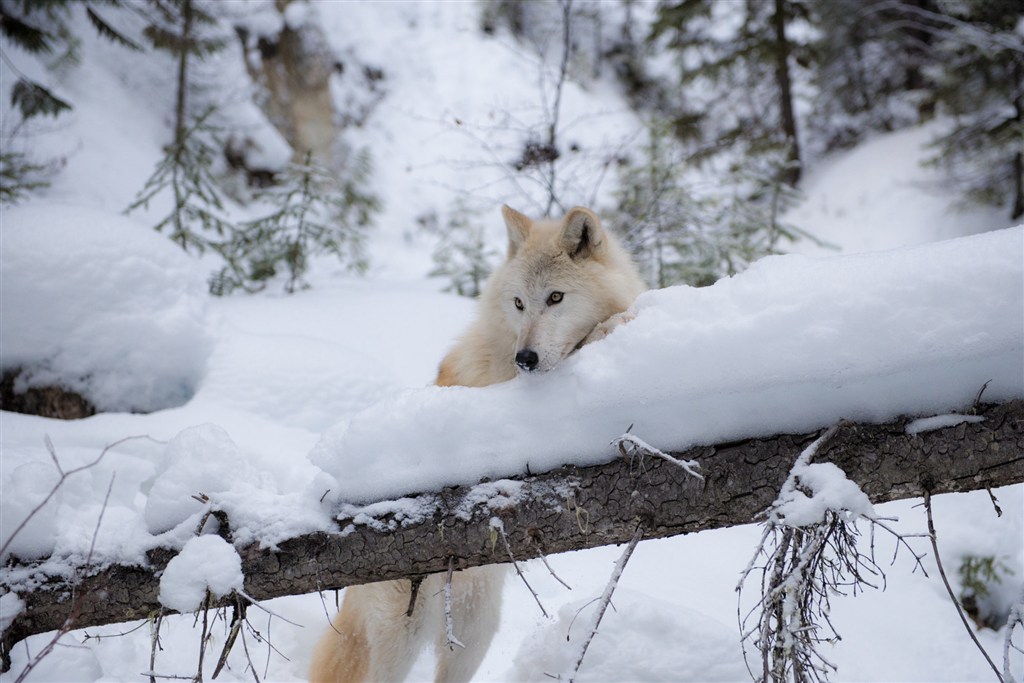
[{"x": 565, "y": 283}]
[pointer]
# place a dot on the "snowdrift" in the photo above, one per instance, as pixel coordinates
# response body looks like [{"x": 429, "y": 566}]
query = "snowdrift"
[{"x": 790, "y": 345}]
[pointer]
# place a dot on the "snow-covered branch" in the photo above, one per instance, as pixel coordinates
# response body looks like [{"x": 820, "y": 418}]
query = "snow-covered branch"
[{"x": 566, "y": 509}]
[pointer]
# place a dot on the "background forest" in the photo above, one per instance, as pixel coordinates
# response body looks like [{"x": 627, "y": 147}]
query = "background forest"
[{"x": 270, "y": 214}]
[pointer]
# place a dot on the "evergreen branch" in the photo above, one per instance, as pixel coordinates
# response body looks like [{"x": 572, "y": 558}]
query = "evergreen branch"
[
  {"x": 109, "y": 32},
  {"x": 32, "y": 99}
]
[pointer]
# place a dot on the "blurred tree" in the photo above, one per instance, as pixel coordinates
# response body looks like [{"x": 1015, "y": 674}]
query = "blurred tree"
[
  {"x": 42, "y": 30},
  {"x": 979, "y": 80},
  {"x": 738, "y": 57},
  {"x": 461, "y": 255},
  {"x": 869, "y": 71},
  {"x": 678, "y": 234}
]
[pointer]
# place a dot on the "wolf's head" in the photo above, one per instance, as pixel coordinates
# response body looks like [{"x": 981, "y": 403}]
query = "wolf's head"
[{"x": 561, "y": 279}]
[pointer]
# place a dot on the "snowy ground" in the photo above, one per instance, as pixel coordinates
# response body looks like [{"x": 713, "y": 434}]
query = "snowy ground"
[{"x": 272, "y": 374}]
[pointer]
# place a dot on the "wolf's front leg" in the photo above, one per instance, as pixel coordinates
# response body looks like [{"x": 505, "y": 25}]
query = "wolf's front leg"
[
  {"x": 476, "y": 613},
  {"x": 603, "y": 329},
  {"x": 372, "y": 639}
]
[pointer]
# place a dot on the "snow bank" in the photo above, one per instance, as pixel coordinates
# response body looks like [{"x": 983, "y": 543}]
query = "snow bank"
[
  {"x": 206, "y": 563},
  {"x": 101, "y": 305},
  {"x": 199, "y": 460},
  {"x": 790, "y": 345},
  {"x": 630, "y": 645}
]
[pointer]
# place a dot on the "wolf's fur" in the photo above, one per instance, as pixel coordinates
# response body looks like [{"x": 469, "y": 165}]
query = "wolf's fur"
[{"x": 372, "y": 639}]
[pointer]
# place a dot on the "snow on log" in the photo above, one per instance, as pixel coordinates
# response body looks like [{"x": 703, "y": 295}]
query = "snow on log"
[{"x": 569, "y": 508}]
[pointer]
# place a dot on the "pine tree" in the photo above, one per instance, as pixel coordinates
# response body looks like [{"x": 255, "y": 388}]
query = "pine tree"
[
  {"x": 747, "y": 70},
  {"x": 181, "y": 27},
  {"x": 315, "y": 212},
  {"x": 197, "y": 217},
  {"x": 41, "y": 30},
  {"x": 197, "y": 213},
  {"x": 462, "y": 254}
]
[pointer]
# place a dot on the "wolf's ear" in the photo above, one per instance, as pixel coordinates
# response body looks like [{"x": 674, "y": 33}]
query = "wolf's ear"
[
  {"x": 583, "y": 234},
  {"x": 518, "y": 228}
]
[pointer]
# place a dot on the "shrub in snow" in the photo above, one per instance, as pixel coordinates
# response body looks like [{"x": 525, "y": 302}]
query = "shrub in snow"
[
  {"x": 206, "y": 563},
  {"x": 100, "y": 305}
]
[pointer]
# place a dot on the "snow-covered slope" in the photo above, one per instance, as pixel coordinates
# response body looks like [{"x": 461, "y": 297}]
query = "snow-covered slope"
[
  {"x": 269, "y": 375},
  {"x": 880, "y": 196}
]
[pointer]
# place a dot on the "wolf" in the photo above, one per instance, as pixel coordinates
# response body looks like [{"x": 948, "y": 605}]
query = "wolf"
[{"x": 564, "y": 284}]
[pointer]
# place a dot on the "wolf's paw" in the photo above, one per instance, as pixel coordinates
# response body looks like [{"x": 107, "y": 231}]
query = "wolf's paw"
[{"x": 603, "y": 329}]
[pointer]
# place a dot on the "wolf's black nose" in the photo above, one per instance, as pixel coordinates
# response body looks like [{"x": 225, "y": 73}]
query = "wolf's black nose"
[{"x": 527, "y": 359}]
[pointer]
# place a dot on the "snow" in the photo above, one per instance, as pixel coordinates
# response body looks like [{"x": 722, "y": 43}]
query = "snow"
[
  {"x": 103, "y": 305},
  {"x": 927, "y": 424},
  {"x": 792, "y": 344},
  {"x": 630, "y": 644},
  {"x": 849, "y": 204},
  {"x": 814, "y": 488},
  {"x": 263, "y": 403},
  {"x": 10, "y": 606},
  {"x": 205, "y": 563}
]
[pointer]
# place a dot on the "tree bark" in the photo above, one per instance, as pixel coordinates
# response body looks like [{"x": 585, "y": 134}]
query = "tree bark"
[{"x": 567, "y": 509}]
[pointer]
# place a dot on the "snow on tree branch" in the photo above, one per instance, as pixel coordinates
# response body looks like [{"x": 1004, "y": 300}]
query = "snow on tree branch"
[{"x": 569, "y": 508}]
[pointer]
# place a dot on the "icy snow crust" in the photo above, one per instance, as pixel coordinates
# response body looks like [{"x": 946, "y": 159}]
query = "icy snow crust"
[{"x": 790, "y": 345}]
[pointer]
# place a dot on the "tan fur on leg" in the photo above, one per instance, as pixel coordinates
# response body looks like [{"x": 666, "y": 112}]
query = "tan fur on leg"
[
  {"x": 372, "y": 638},
  {"x": 343, "y": 653}
]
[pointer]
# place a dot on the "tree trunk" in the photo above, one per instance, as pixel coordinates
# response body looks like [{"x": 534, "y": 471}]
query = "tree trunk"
[
  {"x": 791, "y": 174},
  {"x": 567, "y": 509},
  {"x": 1018, "y": 158},
  {"x": 183, "y": 51}
]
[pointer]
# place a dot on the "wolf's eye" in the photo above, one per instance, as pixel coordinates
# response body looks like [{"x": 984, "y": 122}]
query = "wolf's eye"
[
  {"x": 519, "y": 303},
  {"x": 554, "y": 298}
]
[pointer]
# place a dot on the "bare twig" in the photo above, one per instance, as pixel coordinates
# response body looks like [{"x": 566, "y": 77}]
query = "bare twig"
[
  {"x": 806, "y": 565},
  {"x": 500, "y": 527},
  {"x": 1015, "y": 619},
  {"x": 995, "y": 502},
  {"x": 248, "y": 657},
  {"x": 606, "y": 598},
  {"x": 450, "y": 640},
  {"x": 544, "y": 559},
  {"x": 272, "y": 613},
  {"x": 630, "y": 445},
  {"x": 977, "y": 399},
  {"x": 238, "y": 617},
  {"x": 202, "y": 639},
  {"x": 949, "y": 589},
  {"x": 414, "y": 590},
  {"x": 155, "y": 643}
]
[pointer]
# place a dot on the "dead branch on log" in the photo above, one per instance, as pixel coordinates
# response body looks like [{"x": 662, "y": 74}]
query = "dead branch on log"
[
  {"x": 606, "y": 599},
  {"x": 740, "y": 480},
  {"x": 949, "y": 589}
]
